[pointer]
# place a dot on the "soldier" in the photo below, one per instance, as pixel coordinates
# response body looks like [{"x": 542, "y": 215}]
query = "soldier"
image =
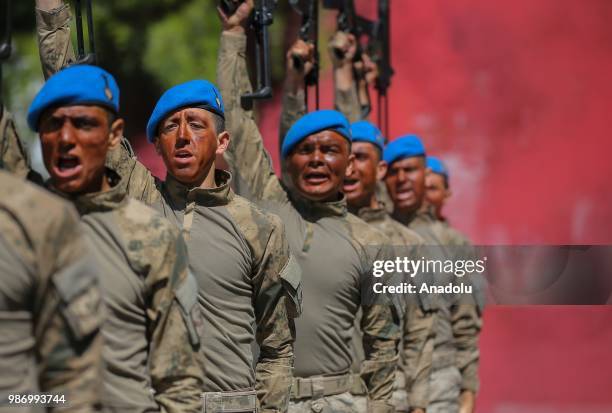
[
  {"x": 49, "y": 303},
  {"x": 248, "y": 284},
  {"x": 360, "y": 189},
  {"x": 411, "y": 385},
  {"x": 334, "y": 249},
  {"x": 151, "y": 337},
  {"x": 436, "y": 194},
  {"x": 437, "y": 190},
  {"x": 457, "y": 324}
]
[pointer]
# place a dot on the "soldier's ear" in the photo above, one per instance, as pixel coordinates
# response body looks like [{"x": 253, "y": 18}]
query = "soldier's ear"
[
  {"x": 223, "y": 140},
  {"x": 381, "y": 170},
  {"x": 116, "y": 133}
]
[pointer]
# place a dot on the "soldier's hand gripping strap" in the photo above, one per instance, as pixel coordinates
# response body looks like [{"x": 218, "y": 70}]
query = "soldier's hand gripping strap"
[
  {"x": 80, "y": 301},
  {"x": 187, "y": 298},
  {"x": 291, "y": 276}
]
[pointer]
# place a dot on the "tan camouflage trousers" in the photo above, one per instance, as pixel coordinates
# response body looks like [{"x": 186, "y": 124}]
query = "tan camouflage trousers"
[
  {"x": 399, "y": 398},
  {"x": 444, "y": 387},
  {"x": 341, "y": 403}
]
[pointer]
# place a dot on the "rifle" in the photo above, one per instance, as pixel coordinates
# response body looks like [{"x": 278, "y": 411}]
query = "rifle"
[
  {"x": 379, "y": 49},
  {"x": 261, "y": 19},
  {"x": 350, "y": 22},
  {"x": 83, "y": 57},
  {"x": 5, "y": 43},
  {"x": 309, "y": 32}
]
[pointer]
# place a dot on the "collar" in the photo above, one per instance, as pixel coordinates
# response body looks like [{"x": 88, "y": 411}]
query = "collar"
[
  {"x": 313, "y": 210},
  {"x": 102, "y": 201},
  {"x": 369, "y": 214},
  {"x": 180, "y": 194}
]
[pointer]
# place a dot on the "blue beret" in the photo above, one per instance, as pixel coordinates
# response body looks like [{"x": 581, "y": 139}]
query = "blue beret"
[
  {"x": 195, "y": 93},
  {"x": 364, "y": 131},
  {"x": 75, "y": 85},
  {"x": 315, "y": 122},
  {"x": 436, "y": 166},
  {"x": 407, "y": 146}
]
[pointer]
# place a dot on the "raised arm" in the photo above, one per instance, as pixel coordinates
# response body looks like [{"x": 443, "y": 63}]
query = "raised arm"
[
  {"x": 246, "y": 154},
  {"x": 13, "y": 154},
  {"x": 342, "y": 48},
  {"x": 53, "y": 32},
  {"x": 294, "y": 103},
  {"x": 138, "y": 180}
]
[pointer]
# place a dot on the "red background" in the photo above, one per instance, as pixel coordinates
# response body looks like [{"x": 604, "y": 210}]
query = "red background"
[{"x": 514, "y": 97}]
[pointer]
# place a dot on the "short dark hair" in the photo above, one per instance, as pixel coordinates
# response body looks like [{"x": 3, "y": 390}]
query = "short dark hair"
[{"x": 219, "y": 122}]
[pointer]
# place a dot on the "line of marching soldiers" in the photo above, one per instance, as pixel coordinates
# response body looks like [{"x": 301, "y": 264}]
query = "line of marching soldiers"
[{"x": 215, "y": 291}]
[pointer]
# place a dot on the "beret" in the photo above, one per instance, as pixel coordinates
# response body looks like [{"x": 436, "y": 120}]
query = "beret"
[
  {"x": 75, "y": 85},
  {"x": 436, "y": 166},
  {"x": 364, "y": 131},
  {"x": 195, "y": 94},
  {"x": 407, "y": 146},
  {"x": 315, "y": 122}
]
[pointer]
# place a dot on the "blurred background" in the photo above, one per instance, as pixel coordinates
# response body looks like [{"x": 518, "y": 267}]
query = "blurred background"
[{"x": 515, "y": 97}]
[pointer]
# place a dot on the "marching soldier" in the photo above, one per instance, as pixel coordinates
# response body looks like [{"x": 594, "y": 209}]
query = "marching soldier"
[
  {"x": 360, "y": 190},
  {"x": 248, "y": 284},
  {"x": 457, "y": 326},
  {"x": 436, "y": 193},
  {"x": 50, "y": 314},
  {"x": 152, "y": 332},
  {"x": 334, "y": 249}
]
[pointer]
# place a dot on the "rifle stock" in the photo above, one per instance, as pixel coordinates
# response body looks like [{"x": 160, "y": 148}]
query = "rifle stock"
[
  {"x": 84, "y": 57},
  {"x": 309, "y": 32},
  {"x": 262, "y": 18}
]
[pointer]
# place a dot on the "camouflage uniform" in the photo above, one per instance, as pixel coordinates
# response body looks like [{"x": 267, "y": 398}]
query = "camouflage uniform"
[
  {"x": 412, "y": 378},
  {"x": 152, "y": 332},
  {"x": 13, "y": 156},
  {"x": 456, "y": 329},
  {"x": 49, "y": 301},
  {"x": 332, "y": 281},
  {"x": 412, "y": 385},
  {"x": 248, "y": 284},
  {"x": 446, "y": 381}
]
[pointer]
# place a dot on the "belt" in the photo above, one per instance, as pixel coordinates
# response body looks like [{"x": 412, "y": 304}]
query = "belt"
[
  {"x": 320, "y": 386},
  {"x": 358, "y": 387},
  {"x": 230, "y": 401}
]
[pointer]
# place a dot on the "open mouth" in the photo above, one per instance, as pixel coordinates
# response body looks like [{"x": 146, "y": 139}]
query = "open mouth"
[
  {"x": 316, "y": 178},
  {"x": 67, "y": 166},
  {"x": 403, "y": 194},
  {"x": 350, "y": 184},
  {"x": 183, "y": 156}
]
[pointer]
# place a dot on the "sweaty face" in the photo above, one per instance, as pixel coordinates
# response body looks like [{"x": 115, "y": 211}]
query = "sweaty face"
[
  {"x": 360, "y": 185},
  {"x": 74, "y": 142},
  {"x": 435, "y": 191},
  {"x": 317, "y": 165},
  {"x": 187, "y": 142},
  {"x": 406, "y": 184}
]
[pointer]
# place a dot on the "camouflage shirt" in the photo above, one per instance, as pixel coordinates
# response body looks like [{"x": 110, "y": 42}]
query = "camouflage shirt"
[
  {"x": 152, "y": 332},
  {"x": 418, "y": 333},
  {"x": 13, "y": 155},
  {"x": 248, "y": 286},
  {"x": 458, "y": 324},
  {"x": 249, "y": 283},
  {"x": 50, "y": 300},
  {"x": 335, "y": 250}
]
